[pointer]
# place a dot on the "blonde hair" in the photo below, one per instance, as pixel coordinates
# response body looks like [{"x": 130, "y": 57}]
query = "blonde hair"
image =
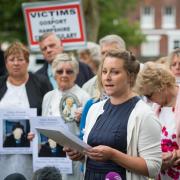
[
  {"x": 176, "y": 53},
  {"x": 163, "y": 60},
  {"x": 153, "y": 78}
]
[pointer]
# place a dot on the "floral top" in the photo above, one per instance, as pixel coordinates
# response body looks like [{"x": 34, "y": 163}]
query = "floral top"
[{"x": 168, "y": 141}]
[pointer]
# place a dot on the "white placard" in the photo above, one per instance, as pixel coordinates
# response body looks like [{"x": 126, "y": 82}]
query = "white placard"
[
  {"x": 45, "y": 151},
  {"x": 15, "y": 125},
  {"x": 63, "y": 18},
  {"x": 65, "y": 138}
]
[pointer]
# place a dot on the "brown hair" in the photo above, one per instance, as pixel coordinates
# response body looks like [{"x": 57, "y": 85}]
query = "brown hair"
[
  {"x": 131, "y": 65},
  {"x": 17, "y": 48}
]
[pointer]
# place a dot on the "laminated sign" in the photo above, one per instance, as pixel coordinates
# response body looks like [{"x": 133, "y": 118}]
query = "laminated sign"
[{"x": 63, "y": 18}]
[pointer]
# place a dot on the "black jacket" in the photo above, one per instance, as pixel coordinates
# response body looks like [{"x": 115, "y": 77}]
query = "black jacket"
[
  {"x": 83, "y": 76},
  {"x": 2, "y": 64},
  {"x": 36, "y": 87},
  {"x": 11, "y": 142},
  {"x": 45, "y": 151}
]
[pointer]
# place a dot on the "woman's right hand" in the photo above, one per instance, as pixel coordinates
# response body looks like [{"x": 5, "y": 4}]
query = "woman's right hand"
[
  {"x": 73, "y": 154},
  {"x": 168, "y": 160},
  {"x": 31, "y": 136}
]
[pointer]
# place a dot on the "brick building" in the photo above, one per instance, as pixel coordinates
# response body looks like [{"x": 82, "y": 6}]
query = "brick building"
[{"x": 160, "y": 22}]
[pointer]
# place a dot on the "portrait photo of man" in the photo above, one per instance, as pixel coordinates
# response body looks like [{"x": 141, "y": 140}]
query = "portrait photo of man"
[
  {"x": 49, "y": 148},
  {"x": 16, "y": 135}
]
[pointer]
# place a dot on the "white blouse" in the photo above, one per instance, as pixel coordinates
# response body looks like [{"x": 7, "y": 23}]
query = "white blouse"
[{"x": 15, "y": 96}]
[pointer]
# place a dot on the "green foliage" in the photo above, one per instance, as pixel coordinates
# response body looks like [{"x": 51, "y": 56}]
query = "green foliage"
[{"x": 113, "y": 20}]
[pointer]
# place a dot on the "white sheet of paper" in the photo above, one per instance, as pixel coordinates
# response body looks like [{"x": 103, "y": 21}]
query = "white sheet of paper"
[
  {"x": 39, "y": 161},
  {"x": 65, "y": 138},
  {"x": 8, "y": 117}
]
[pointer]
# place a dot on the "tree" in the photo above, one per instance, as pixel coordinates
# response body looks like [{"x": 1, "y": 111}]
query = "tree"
[
  {"x": 114, "y": 20},
  {"x": 102, "y": 17}
]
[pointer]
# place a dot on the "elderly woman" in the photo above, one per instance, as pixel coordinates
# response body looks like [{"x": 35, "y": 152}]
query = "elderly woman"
[
  {"x": 119, "y": 129},
  {"x": 19, "y": 89},
  {"x": 158, "y": 84},
  {"x": 65, "y": 70}
]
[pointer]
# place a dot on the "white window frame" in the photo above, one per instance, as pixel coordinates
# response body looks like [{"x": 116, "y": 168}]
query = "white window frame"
[
  {"x": 147, "y": 20},
  {"x": 169, "y": 20},
  {"x": 151, "y": 47}
]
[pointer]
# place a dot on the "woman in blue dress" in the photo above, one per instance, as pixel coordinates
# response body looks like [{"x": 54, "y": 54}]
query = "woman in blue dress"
[{"x": 120, "y": 128}]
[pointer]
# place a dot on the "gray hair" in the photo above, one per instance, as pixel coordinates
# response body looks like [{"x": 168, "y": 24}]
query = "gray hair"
[
  {"x": 64, "y": 57},
  {"x": 113, "y": 39},
  {"x": 93, "y": 49},
  {"x": 47, "y": 34}
]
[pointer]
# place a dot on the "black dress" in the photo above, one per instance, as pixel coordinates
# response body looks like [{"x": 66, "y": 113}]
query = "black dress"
[{"x": 110, "y": 129}]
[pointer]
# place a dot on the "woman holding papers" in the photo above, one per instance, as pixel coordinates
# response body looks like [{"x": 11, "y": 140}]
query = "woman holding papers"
[
  {"x": 55, "y": 102},
  {"x": 120, "y": 128},
  {"x": 19, "y": 89}
]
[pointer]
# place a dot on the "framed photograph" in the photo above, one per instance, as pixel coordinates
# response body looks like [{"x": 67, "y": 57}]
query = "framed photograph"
[{"x": 68, "y": 105}]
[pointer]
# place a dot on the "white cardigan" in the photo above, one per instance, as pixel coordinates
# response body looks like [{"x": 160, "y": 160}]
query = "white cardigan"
[{"x": 143, "y": 136}]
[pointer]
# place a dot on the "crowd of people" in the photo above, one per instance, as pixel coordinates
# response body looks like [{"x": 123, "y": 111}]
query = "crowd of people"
[{"x": 129, "y": 114}]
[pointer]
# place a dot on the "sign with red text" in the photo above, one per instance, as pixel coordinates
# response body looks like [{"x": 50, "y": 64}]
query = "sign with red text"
[{"x": 63, "y": 18}]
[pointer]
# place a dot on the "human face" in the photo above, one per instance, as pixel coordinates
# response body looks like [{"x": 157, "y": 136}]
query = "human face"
[
  {"x": 175, "y": 66},
  {"x": 65, "y": 76},
  {"x": 84, "y": 57},
  {"x": 52, "y": 143},
  {"x": 17, "y": 133},
  {"x": 115, "y": 79},
  {"x": 50, "y": 47},
  {"x": 16, "y": 65},
  {"x": 108, "y": 47},
  {"x": 159, "y": 97},
  {"x": 69, "y": 102}
]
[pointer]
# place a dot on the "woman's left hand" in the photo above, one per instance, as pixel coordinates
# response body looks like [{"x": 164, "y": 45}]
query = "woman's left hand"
[{"x": 100, "y": 153}]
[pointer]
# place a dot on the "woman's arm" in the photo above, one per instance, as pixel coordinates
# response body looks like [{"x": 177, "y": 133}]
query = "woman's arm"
[
  {"x": 103, "y": 153},
  {"x": 73, "y": 154}
]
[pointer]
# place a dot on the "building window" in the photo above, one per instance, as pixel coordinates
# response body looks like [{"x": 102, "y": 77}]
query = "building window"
[
  {"x": 147, "y": 17},
  {"x": 168, "y": 11},
  {"x": 147, "y": 11},
  {"x": 151, "y": 48},
  {"x": 168, "y": 17},
  {"x": 176, "y": 44}
]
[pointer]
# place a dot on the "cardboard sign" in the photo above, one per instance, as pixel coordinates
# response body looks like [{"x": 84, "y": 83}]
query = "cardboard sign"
[{"x": 65, "y": 19}]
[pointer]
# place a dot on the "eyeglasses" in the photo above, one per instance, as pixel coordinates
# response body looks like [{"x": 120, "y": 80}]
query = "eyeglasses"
[{"x": 68, "y": 71}]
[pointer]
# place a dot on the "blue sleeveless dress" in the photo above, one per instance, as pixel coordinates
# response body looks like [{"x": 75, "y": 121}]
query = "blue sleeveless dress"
[{"x": 110, "y": 129}]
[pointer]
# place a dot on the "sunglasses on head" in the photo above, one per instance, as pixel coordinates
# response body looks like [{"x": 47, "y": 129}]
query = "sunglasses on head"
[{"x": 68, "y": 71}]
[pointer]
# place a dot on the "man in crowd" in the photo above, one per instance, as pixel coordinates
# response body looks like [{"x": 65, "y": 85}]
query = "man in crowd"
[{"x": 50, "y": 46}]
